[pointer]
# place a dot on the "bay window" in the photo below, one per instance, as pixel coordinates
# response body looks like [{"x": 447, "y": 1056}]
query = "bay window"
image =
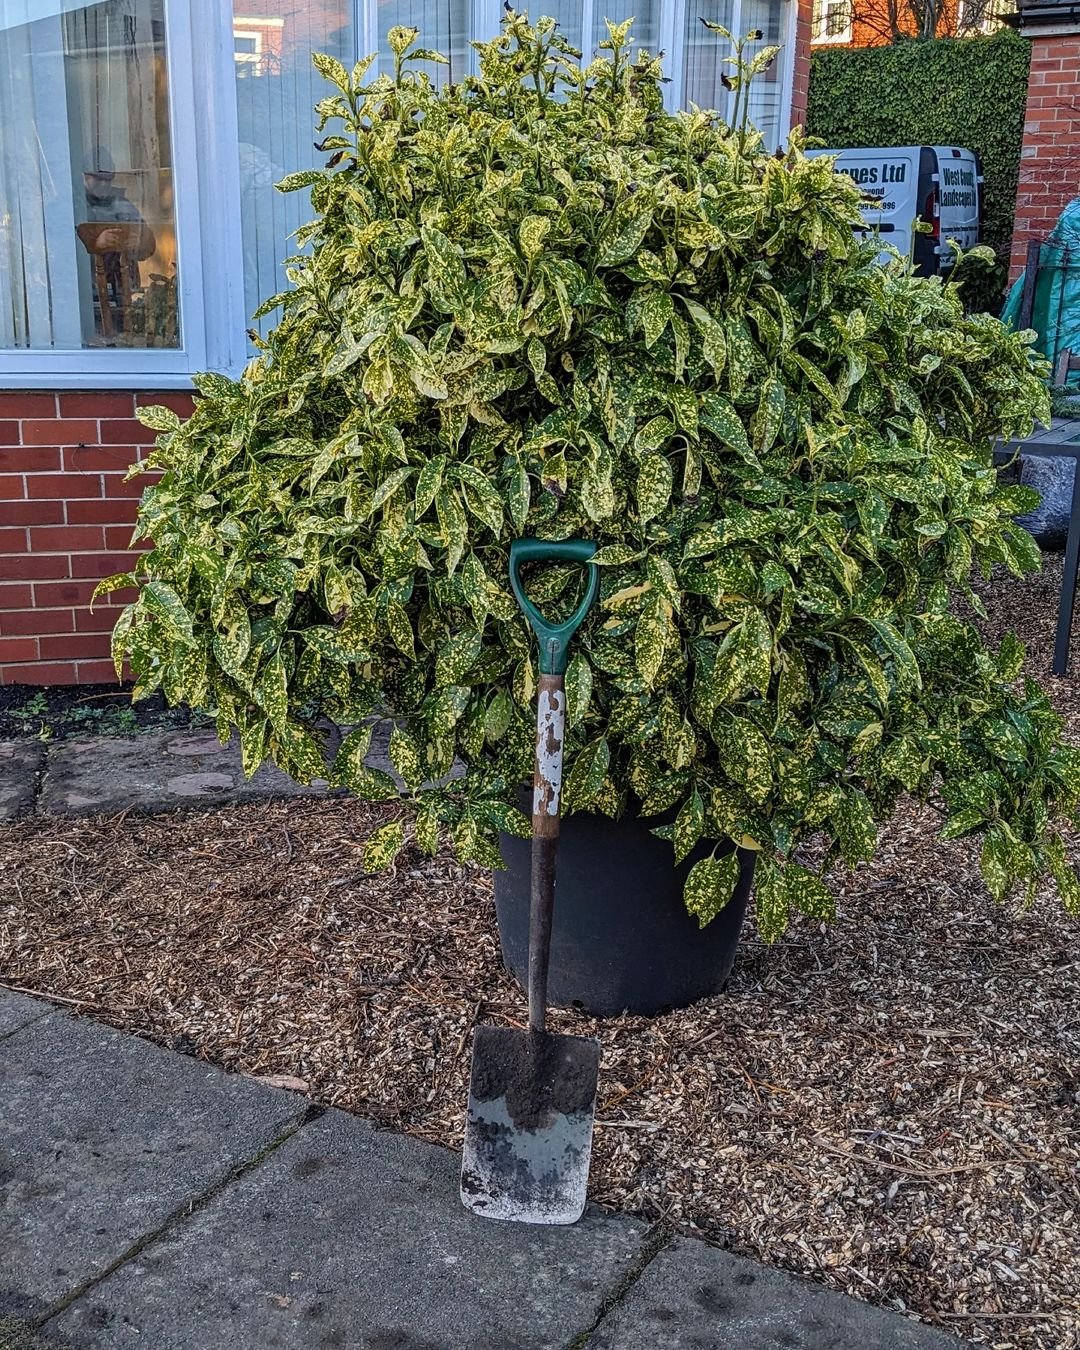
[{"x": 140, "y": 141}]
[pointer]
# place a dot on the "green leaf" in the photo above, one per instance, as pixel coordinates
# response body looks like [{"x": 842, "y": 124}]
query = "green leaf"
[
  {"x": 390, "y": 486},
  {"x": 650, "y": 641},
  {"x": 769, "y": 415},
  {"x": 405, "y": 757},
  {"x": 904, "y": 662},
  {"x": 771, "y": 900},
  {"x": 853, "y": 821},
  {"x": 656, "y": 314},
  {"x": 427, "y": 828},
  {"x": 454, "y": 526},
  {"x": 963, "y": 822},
  {"x": 719, "y": 416},
  {"x": 625, "y": 237},
  {"x": 531, "y": 235},
  {"x": 158, "y": 418},
  {"x": 120, "y": 640},
  {"x": 579, "y": 683},
  {"x": 808, "y": 893},
  {"x": 586, "y": 774},
  {"x": 271, "y": 692},
  {"x": 689, "y": 824},
  {"x": 400, "y": 629},
  {"x": 383, "y": 846},
  {"x": 654, "y": 485},
  {"x": 331, "y": 69},
  {"x": 166, "y": 606},
  {"x": 709, "y": 887},
  {"x": 745, "y": 755},
  {"x": 615, "y": 555},
  {"x": 517, "y": 497},
  {"x": 1064, "y": 873},
  {"x": 498, "y": 716},
  {"x": 447, "y": 710},
  {"x": 253, "y": 745},
  {"x": 119, "y": 581},
  {"x": 429, "y": 482},
  {"x": 456, "y": 657},
  {"x": 994, "y": 862},
  {"x": 348, "y": 764}
]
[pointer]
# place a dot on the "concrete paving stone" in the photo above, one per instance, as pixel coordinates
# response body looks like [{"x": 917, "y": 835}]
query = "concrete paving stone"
[
  {"x": 695, "y": 1297},
  {"x": 20, "y": 763},
  {"x": 156, "y": 771},
  {"x": 352, "y": 1238},
  {"x": 103, "y": 1137},
  {"x": 164, "y": 770},
  {"x": 17, "y": 1011}
]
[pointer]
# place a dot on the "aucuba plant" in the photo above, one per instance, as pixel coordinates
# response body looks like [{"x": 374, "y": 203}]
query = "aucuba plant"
[{"x": 536, "y": 303}]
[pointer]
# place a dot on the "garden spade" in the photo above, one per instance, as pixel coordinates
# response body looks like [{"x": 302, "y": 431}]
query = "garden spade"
[{"x": 533, "y": 1094}]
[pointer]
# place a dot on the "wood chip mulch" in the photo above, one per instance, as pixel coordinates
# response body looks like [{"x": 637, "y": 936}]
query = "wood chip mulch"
[{"x": 889, "y": 1105}]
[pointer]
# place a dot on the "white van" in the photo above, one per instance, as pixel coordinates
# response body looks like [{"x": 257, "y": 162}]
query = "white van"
[{"x": 940, "y": 184}]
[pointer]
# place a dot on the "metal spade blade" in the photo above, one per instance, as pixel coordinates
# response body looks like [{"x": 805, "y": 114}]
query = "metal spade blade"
[{"x": 529, "y": 1131}]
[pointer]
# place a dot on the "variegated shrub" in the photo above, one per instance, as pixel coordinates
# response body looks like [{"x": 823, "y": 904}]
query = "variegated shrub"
[{"x": 535, "y": 303}]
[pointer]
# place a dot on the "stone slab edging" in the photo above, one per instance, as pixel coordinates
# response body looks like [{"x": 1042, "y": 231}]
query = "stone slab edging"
[{"x": 150, "y": 1199}]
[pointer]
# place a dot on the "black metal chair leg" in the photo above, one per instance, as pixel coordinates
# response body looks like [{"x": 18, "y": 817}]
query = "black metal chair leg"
[{"x": 1068, "y": 580}]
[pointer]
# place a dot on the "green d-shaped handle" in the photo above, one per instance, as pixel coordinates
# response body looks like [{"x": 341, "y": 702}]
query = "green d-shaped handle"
[{"x": 554, "y": 637}]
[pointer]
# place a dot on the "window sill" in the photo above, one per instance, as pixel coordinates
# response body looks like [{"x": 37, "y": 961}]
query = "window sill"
[{"x": 60, "y": 380}]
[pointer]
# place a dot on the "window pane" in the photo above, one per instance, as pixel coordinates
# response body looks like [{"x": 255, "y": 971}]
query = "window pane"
[
  {"x": 705, "y": 63},
  {"x": 277, "y": 88},
  {"x": 87, "y": 225},
  {"x": 705, "y": 51},
  {"x": 443, "y": 25},
  {"x": 644, "y": 14},
  {"x": 767, "y": 90}
]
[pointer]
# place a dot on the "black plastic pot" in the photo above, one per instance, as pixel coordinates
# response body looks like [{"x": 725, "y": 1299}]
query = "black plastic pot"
[{"x": 621, "y": 940}]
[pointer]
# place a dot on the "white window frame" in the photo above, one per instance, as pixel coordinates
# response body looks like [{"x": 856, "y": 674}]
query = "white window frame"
[
  {"x": 819, "y": 34},
  {"x": 202, "y": 127}
]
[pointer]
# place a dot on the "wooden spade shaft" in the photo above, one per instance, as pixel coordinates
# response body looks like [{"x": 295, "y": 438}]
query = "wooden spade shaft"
[{"x": 547, "y": 785}]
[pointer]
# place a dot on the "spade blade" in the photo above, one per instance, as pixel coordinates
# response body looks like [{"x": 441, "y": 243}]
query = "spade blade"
[{"x": 528, "y": 1137}]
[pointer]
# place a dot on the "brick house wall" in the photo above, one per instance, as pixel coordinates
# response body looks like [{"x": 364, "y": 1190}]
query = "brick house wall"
[
  {"x": 800, "y": 81},
  {"x": 66, "y": 517},
  {"x": 1050, "y": 155}
]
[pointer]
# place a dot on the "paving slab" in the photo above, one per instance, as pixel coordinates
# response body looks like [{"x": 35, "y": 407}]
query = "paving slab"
[
  {"x": 102, "y": 1138},
  {"x": 353, "y": 1238},
  {"x": 20, "y": 763},
  {"x": 695, "y": 1297},
  {"x": 156, "y": 771},
  {"x": 17, "y": 1011}
]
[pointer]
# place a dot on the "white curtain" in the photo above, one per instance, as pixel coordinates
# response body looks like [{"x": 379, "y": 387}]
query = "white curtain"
[
  {"x": 277, "y": 88},
  {"x": 38, "y": 260},
  {"x": 443, "y": 25},
  {"x": 75, "y": 78},
  {"x": 646, "y": 16},
  {"x": 704, "y": 64}
]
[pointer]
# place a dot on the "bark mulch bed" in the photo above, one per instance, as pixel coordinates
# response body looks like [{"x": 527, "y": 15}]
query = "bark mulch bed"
[{"x": 890, "y": 1105}]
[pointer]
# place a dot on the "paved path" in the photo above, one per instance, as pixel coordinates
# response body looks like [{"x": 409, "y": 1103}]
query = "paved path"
[
  {"x": 152, "y": 771},
  {"x": 148, "y": 1199}
]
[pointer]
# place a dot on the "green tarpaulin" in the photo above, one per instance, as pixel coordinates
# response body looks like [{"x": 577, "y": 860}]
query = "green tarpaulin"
[{"x": 1055, "y": 315}]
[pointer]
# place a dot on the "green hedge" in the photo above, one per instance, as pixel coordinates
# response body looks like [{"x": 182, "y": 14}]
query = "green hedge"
[{"x": 942, "y": 91}]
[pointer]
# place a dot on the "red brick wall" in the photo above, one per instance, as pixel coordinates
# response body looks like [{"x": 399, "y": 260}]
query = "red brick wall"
[
  {"x": 66, "y": 517},
  {"x": 800, "y": 87},
  {"x": 1050, "y": 157}
]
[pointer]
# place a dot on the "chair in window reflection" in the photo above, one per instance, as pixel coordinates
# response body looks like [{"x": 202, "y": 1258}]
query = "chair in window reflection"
[{"x": 115, "y": 248}]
